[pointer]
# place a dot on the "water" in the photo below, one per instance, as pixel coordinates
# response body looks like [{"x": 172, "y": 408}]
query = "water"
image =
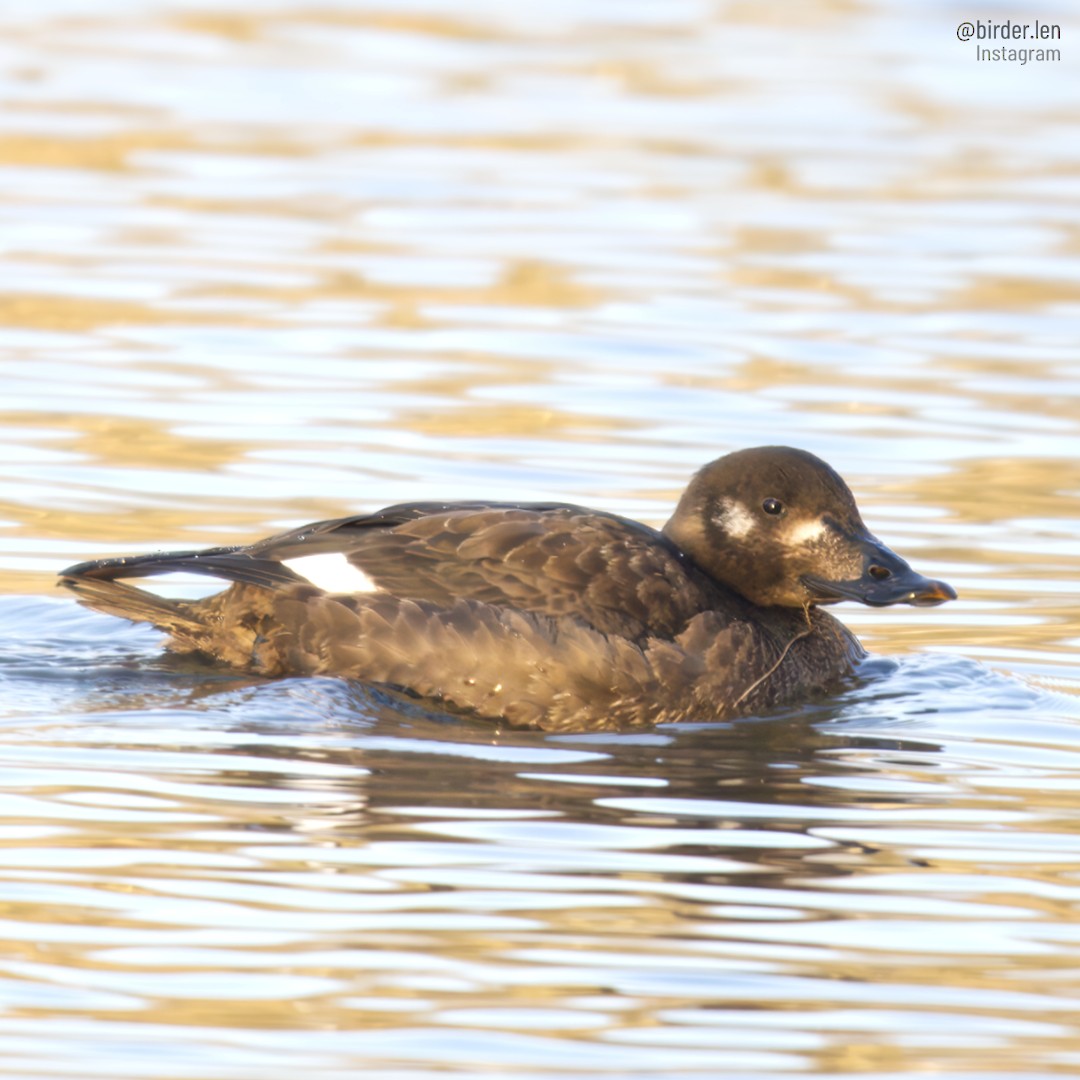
[{"x": 266, "y": 265}]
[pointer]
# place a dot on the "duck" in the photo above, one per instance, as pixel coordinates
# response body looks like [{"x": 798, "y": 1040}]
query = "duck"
[{"x": 550, "y": 615}]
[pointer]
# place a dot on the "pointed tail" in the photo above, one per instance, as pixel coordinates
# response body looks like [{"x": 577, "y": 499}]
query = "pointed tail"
[{"x": 116, "y": 598}]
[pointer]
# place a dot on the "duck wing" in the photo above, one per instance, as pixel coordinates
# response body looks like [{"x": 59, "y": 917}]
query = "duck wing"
[{"x": 555, "y": 559}]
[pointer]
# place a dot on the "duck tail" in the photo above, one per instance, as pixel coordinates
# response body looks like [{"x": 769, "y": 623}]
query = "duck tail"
[
  {"x": 138, "y": 605},
  {"x": 95, "y": 586}
]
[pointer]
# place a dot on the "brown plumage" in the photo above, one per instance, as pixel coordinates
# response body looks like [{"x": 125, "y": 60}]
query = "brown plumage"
[{"x": 550, "y": 615}]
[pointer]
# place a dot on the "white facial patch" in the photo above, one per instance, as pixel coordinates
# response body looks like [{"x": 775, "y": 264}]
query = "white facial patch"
[
  {"x": 332, "y": 573},
  {"x": 734, "y": 518},
  {"x": 805, "y": 532}
]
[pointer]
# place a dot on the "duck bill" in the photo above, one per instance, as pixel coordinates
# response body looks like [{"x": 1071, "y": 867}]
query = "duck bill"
[{"x": 885, "y": 579}]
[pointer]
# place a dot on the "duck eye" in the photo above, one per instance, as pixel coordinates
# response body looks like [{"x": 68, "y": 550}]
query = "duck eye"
[{"x": 772, "y": 506}]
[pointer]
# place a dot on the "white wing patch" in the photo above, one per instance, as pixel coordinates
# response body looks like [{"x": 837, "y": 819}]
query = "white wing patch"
[
  {"x": 734, "y": 518},
  {"x": 332, "y": 573},
  {"x": 803, "y": 532}
]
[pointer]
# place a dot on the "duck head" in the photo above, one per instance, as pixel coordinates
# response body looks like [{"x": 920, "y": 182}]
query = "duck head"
[{"x": 781, "y": 527}]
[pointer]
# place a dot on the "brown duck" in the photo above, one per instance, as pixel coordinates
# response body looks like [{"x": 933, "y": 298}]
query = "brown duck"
[{"x": 546, "y": 614}]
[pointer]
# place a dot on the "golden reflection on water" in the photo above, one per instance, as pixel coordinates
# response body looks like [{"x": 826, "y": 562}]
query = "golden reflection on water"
[{"x": 267, "y": 267}]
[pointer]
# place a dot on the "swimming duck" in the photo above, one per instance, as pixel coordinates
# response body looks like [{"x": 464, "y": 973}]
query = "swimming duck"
[{"x": 550, "y": 615}]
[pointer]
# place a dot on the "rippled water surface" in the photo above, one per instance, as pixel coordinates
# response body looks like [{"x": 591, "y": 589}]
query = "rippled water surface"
[{"x": 263, "y": 264}]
